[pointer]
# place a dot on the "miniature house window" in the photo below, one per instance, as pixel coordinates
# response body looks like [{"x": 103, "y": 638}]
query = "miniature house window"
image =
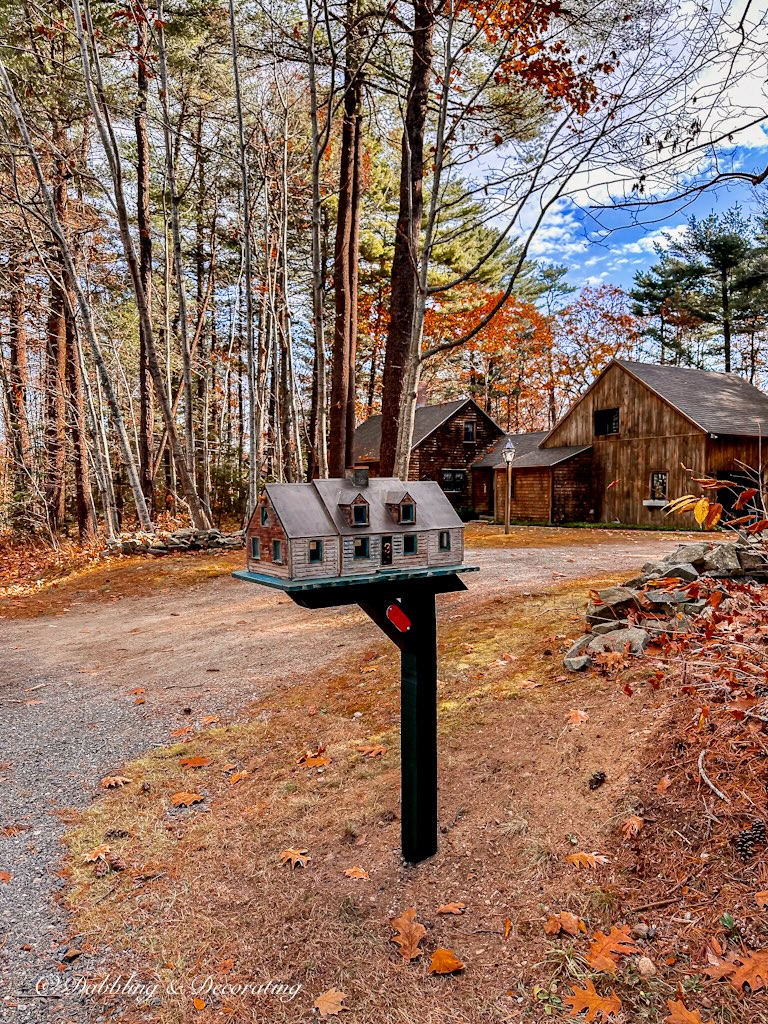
[
  {"x": 277, "y": 551},
  {"x": 658, "y": 486},
  {"x": 255, "y": 548},
  {"x": 469, "y": 431},
  {"x": 410, "y": 543},
  {"x": 444, "y": 542},
  {"x": 362, "y": 546},
  {"x": 360, "y": 515},
  {"x": 407, "y": 512},
  {"x": 315, "y": 551},
  {"x": 454, "y": 480},
  {"x": 264, "y": 515},
  {"x": 606, "y": 421}
]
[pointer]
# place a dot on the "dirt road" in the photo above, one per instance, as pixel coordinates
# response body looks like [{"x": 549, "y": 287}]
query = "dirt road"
[{"x": 69, "y": 716}]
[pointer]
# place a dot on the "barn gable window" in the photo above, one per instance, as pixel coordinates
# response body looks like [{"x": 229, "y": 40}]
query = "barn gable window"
[
  {"x": 606, "y": 422},
  {"x": 315, "y": 551},
  {"x": 444, "y": 541},
  {"x": 277, "y": 551},
  {"x": 469, "y": 431},
  {"x": 410, "y": 543},
  {"x": 362, "y": 547},
  {"x": 255, "y": 549}
]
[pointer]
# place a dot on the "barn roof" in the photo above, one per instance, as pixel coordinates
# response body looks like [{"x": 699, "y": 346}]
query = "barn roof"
[
  {"x": 433, "y": 510},
  {"x": 719, "y": 403},
  {"x": 426, "y": 421},
  {"x": 546, "y": 457},
  {"x": 523, "y": 443}
]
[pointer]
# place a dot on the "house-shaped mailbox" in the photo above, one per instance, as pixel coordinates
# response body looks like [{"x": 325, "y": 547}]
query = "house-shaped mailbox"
[
  {"x": 389, "y": 547},
  {"x": 353, "y": 528}
]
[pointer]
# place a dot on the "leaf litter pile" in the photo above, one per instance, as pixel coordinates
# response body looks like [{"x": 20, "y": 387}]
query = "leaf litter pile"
[{"x": 601, "y": 851}]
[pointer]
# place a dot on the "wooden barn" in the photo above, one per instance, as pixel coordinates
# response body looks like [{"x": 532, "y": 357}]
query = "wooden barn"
[
  {"x": 447, "y": 440},
  {"x": 618, "y": 454}
]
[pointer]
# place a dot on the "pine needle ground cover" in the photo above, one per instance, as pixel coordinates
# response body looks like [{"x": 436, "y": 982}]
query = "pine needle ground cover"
[{"x": 268, "y": 848}]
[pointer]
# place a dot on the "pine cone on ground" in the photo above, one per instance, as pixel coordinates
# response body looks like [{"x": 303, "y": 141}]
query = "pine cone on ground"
[{"x": 596, "y": 780}]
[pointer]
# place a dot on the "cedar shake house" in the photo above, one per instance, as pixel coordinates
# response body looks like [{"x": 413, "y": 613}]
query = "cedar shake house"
[
  {"x": 621, "y": 451},
  {"x": 447, "y": 440},
  {"x": 352, "y": 527}
]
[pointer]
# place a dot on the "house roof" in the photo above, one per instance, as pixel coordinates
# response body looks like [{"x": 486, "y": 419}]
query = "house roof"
[
  {"x": 719, "y": 403},
  {"x": 523, "y": 443},
  {"x": 545, "y": 457},
  {"x": 426, "y": 421},
  {"x": 312, "y": 510}
]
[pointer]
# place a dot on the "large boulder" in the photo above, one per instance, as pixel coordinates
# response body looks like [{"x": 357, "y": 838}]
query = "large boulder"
[
  {"x": 723, "y": 560},
  {"x": 638, "y": 639}
]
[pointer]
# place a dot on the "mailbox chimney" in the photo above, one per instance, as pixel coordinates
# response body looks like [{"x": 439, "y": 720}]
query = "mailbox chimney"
[{"x": 360, "y": 477}]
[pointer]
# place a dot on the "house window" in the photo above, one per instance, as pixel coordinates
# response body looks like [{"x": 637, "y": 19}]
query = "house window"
[
  {"x": 264, "y": 515},
  {"x": 360, "y": 515},
  {"x": 407, "y": 512},
  {"x": 410, "y": 543},
  {"x": 277, "y": 551},
  {"x": 255, "y": 549},
  {"x": 469, "y": 431},
  {"x": 315, "y": 551},
  {"x": 444, "y": 541},
  {"x": 454, "y": 480},
  {"x": 658, "y": 486},
  {"x": 362, "y": 547},
  {"x": 606, "y": 421}
]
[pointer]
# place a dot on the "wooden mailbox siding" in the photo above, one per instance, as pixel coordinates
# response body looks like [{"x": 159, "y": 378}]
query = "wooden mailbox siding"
[
  {"x": 266, "y": 534},
  {"x": 653, "y": 437},
  {"x": 446, "y": 448}
]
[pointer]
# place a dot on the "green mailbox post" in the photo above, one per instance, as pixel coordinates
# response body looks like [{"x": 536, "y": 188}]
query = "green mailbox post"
[{"x": 402, "y": 604}]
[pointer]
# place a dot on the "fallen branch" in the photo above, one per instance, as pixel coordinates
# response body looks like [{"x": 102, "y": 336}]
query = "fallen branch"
[{"x": 707, "y": 781}]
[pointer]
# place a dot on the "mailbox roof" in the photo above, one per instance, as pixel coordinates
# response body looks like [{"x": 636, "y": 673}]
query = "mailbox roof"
[{"x": 312, "y": 510}]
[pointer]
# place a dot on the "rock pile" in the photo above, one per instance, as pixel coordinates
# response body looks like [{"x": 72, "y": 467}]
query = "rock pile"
[
  {"x": 626, "y": 617},
  {"x": 176, "y": 540}
]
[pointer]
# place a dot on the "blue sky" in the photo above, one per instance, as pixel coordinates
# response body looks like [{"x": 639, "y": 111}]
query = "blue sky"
[{"x": 609, "y": 245}]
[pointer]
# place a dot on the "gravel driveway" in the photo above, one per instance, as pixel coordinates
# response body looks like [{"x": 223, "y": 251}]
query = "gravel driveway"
[{"x": 68, "y": 717}]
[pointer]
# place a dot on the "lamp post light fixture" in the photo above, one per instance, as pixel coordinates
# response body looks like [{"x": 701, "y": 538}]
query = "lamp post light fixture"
[{"x": 508, "y": 454}]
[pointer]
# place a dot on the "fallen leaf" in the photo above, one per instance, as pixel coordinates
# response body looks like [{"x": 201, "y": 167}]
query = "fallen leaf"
[
  {"x": 373, "y": 751},
  {"x": 576, "y": 717},
  {"x": 678, "y": 1014},
  {"x": 663, "y": 784},
  {"x": 185, "y": 799},
  {"x": 507, "y": 927},
  {"x": 357, "y": 873},
  {"x": 588, "y": 999},
  {"x": 329, "y": 1004},
  {"x": 750, "y": 970},
  {"x": 761, "y": 898},
  {"x": 605, "y": 950},
  {"x": 295, "y": 857},
  {"x": 409, "y": 934},
  {"x": 195, "y": 762},
  {"x": 137, "y": 692},
  {"x": 114, "y": 781},
  {"x": 209, "y": 719},
  {"x": 444, "y": 961},
  {"x": 238, "y": 777},
  {"x": 552, "y": 926},
  {"x": 314, "y": 762},
  {"x": 229, "y": 767},
  {"x": 586, "y": 860},
  {"x": 5, "y": 877},
  {"x": 183, "y": 730},
  {"x": 564, "y": 922},
  {"x": 632, "y": 826},
  {"x": 452, "y": 908},
  {"x": 72, "y": 954},
  {"x": 198, "y": 1003},
  {"x": 97, "y": 853},
  {"x": 225, "y": 967}
]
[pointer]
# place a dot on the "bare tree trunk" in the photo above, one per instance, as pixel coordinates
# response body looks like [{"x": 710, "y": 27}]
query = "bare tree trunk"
[
  {"x": 405, "y": 261},
  {"x": 56, "y": 355},
  {"x": 146, "y": 397},
  {"x": 18, "y": 380},
  {"x": 86, "y": 520}
]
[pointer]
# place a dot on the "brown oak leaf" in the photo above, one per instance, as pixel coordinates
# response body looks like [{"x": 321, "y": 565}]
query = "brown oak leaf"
[
  {"x": 97, "y": 853},
  {"x": 576, "y": 717},
  {"x": 329, "y": 1004},
  {"x": 376, "y": 750},
  {"x": 761, "y": 898},
  {"x": 751, "y": 970},
  {"x": 452, "y": 908},
  {"x": 444, "y": 961},
  {"x": 185, "y": 799},
  {"x": 605, "y": 950},
  {"x": 195, "y": 762},
  {"x": 357, "y": 873},
  {"x": 114, "y": 781},
  {"x": 589, "y": 999},
  {"x": 679, "y": 1014},
  {"x": 409, "y": 934},
  {"x": 564, "y": 922},
  {"x": 586, "y": 860},
  {"x": 294, "y": 856},
  {"x": 632, "y": 826}
]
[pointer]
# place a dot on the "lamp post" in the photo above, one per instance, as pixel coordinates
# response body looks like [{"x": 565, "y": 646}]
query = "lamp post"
[{"x": 508, "y": 453}]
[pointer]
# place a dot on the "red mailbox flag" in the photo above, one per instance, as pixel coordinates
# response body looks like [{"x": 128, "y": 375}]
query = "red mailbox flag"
[{"x": 398, "y": 618}]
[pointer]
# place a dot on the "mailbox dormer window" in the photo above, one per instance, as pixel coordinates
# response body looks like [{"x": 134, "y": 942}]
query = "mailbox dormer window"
[
  {"x": 407, "y": 512},
  {"x": 606, "y": 422},
  {"x": 315, "y": 551},
  {"x": 255, "y": 549},
  {"x": 410, "y": 543},
  {"x": 360, "y": 515},
  {"x": 362, "y": 547}
]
